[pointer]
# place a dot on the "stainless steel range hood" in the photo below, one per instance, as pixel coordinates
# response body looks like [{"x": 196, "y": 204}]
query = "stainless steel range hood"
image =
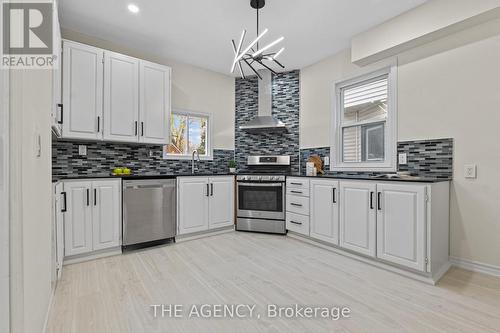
[{"x": 264, "y": 122}]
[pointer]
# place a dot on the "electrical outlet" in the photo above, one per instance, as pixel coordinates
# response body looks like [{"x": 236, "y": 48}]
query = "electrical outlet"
[
  {"x": 82, "y": 150},
  {"x": 327, "y": 160},
  {"x": 470, "y": 171},
  {"x": 402, "y": 159},
  {"x": 151, "y": 154}
]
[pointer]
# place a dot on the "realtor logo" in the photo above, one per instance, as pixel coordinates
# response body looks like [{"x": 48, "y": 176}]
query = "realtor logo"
[{"x": 27, "y": 35}]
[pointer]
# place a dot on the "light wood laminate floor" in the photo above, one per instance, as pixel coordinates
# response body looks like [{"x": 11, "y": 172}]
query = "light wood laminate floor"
[{"x": 114, "y": 294}]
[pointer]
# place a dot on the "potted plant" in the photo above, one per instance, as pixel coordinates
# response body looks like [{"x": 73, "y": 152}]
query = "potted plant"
[{"x": 232, "y": 166}]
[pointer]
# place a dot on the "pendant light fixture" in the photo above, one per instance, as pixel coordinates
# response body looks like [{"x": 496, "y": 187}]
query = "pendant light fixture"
[{"x": 252, "y": 55}]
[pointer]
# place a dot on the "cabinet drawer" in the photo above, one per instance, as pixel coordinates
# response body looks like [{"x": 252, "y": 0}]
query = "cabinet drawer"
[
  {"x": 301, "y": 192},
  {"x": 297, "y": 183},
  {"x": 297, "y": 223},
  {"x": 296, "y": 204}
]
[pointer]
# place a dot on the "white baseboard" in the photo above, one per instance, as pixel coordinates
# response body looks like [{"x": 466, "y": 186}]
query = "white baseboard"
[
  {"x": 203, "y": 234},
  {"x": 475, "y": 266}
]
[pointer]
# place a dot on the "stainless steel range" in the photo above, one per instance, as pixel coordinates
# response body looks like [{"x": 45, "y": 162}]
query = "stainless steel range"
[{"x": 261, "y": 197}]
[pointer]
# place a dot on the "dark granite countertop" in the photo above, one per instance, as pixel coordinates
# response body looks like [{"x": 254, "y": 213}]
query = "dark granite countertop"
[
  {"x": 138, "y": 177},
  {"x": 414, "y": 179}
]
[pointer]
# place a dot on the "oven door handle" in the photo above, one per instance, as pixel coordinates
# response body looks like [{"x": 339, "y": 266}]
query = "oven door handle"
[{"x": 262, "y": 184}]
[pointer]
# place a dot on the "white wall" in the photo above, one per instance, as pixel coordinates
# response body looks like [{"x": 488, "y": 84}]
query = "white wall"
[
  {"x": 193, "y": 88},
  {"x": 4, "y": 194},
  {"x": 449, "y": 88},
  {"x": 30, "y": 199}
]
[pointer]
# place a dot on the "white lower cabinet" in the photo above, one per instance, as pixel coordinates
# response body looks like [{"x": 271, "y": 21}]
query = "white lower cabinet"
[
  {"x": 221, "y": 202},
  {"x": 401, "y": 225},
  {"x": 106, "y": 214},
  {"x": 92, "y": 217},
  {"x": 204, "y": 203},
  {"x": 405, "y": 224},
  {"x": 325, "y": 211},
  {"x": 358, "y": 225}
]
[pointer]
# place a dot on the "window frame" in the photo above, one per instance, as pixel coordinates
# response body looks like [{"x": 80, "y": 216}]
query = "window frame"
[
  {"x": 390, "y": 133},
  {"x": 209, "y": 150}
]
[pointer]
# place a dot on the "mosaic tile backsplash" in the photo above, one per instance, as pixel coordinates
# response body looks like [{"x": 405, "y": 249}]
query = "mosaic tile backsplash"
[
  {"x": 102, "y": 158},
  {"x": 426, "y": 158},
  {"x": 286, "y": 100}
]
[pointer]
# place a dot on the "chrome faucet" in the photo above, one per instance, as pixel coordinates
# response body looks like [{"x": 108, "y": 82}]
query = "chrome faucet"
[{"x": 192, "y": 159}]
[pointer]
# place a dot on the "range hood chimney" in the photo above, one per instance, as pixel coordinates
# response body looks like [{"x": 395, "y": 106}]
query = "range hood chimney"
[{"x": 264, "y": 122}]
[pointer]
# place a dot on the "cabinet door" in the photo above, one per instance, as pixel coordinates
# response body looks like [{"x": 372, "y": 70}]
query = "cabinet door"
[
  {"x": 56, "y": 119},
  {"x": 324, "y": 223},
  {"x": 106, "y": 214},
  {"x": 154, "y": 112},
  {"x": 193, "y": 194},
  {"x": 82, "y": 91},
  {"x": 121, "y": 97},
  {"x": 77, "y": 219},
  {"x": 358, "y": 217},
  {"x": 221, "y": 202},
  {"x": 401, "y": 225}
]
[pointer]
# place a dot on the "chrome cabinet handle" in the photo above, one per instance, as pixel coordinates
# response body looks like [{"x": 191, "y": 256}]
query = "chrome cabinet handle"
[
  {"x": 298, "y": 192},
  {"x": 88, "y": 196},
  {"x": 296, "y": 184},
  {"x": 296, "y": 222},
  {"x": 295, "y": 204},
  {"x": 334, "y": 191},
  {"x": 211, "y": 189},
  {"x": 371, "y": 200},
  {"x": 379, "y": 204}
]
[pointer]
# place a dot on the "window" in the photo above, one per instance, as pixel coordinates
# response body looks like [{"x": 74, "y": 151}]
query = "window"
[
  {"x": 365, "y": 123},
  {"x": 189, "y": 131}
]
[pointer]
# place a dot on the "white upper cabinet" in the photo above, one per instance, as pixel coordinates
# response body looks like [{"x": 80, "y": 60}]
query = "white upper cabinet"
[
  {"x": 154, "y": 111},
  {"x": 106, "y": 214},
  {"x": 121, "y": 97},
  {"x": 221, "y": 202},
  {"x": 56, "y": 116},
  {"x": 113, "y": 97},
  {"x": 358, "y": 217},
  {"x": 82, "y": 91},
  {"x": 401, "y": 221},
  {"x": 324, "y": 223}
]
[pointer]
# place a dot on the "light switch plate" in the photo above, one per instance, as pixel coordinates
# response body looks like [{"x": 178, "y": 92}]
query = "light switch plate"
[
  {"x": 402, "y": 159},
  {"x": 82, "y": 150},
  {"x": 470, "y": 171}
]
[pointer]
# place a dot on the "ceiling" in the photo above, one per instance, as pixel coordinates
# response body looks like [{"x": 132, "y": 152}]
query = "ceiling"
[{"x": 199, "y": 32}]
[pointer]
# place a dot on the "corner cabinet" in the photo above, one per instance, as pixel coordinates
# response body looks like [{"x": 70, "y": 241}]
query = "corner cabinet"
[
  {"x": 204, "y": 203},
  {"x": 92, "y": 216},
  {"x": 113, "y": 97}
]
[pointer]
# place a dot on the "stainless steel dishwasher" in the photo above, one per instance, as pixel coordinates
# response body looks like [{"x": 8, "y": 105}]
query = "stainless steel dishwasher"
[{"x": 149, "y": 210}]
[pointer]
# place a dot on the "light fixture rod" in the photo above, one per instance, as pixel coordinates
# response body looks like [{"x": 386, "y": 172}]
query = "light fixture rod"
[
  {"x": 249, "y": 47},
  {"x": 267, "y": 47}
]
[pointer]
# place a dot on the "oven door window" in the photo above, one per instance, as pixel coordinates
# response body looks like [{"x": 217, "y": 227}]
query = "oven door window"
[{"x": 260, "y": 198}]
